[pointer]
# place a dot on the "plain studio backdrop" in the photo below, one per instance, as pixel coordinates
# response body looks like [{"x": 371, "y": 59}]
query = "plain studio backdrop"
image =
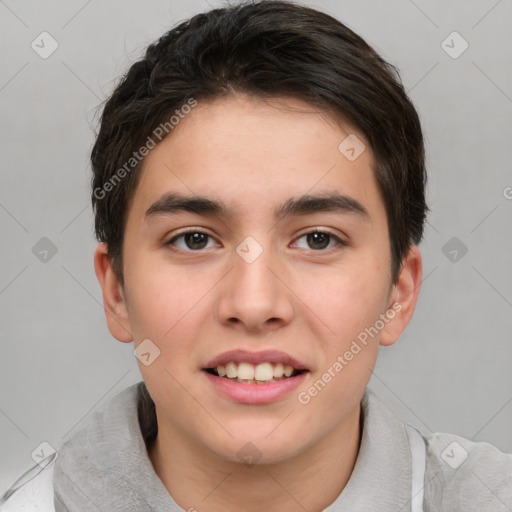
[{"x": 451, "y": 370}]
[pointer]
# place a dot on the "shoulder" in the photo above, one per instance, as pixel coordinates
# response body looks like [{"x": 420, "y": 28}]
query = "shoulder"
[
  {"x": 467, "y": 475},
  {"x": 35, "y": 496}
]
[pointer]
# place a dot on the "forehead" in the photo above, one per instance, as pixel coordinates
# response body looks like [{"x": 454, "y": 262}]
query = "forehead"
[{"x": 250, "y": 153}]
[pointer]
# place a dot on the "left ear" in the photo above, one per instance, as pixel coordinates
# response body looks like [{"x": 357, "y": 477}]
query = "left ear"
[{"x": 403, "y": 297}]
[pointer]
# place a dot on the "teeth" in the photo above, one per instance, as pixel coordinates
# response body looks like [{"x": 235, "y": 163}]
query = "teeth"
[
  {"x": 231, "y": 371},
  {"x": 245, "y": 371},
  {"x": 263, "y": 371},
  {"x": 278, "y": 370},
  {"x": 249, "y": 373}
]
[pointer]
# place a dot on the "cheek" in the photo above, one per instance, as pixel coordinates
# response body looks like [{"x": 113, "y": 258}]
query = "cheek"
[
  {"x": 348, "y": 298},
  {"x": 162, "y": 296}
]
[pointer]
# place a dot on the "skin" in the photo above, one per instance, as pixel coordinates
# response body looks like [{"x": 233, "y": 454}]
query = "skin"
[{"x": 308, "y": 302}]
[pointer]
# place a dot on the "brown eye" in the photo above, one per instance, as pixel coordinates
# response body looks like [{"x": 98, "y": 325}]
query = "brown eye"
[
  {"x": 191, "y": 241},
  {"x": 319, "y": 240}
]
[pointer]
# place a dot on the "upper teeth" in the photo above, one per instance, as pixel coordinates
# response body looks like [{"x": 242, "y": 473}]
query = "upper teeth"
[{"x": 246, "y": 371}]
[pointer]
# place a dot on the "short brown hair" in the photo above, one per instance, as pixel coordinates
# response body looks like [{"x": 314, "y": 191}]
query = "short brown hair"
[{"x": 266, "y": 49}]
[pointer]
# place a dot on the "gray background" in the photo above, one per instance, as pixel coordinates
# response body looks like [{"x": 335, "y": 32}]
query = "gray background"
[{"x": 450, "y": 372}]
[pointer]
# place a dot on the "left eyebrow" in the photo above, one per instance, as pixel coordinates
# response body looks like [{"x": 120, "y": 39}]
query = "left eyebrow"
[
  {"x": 303, "y": 205},
  {"x": 330, "y": 202}
]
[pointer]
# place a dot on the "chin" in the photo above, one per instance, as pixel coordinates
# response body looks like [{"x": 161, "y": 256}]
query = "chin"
[{"x": 257, "y": 451}]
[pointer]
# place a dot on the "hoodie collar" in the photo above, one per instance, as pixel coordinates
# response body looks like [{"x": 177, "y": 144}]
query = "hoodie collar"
[
  {"x": 105, "y": 465},
  {"x": 381, "y": 479}
]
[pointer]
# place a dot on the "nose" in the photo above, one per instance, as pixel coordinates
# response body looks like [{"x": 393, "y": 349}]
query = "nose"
[{"x": 254, "y": 296}]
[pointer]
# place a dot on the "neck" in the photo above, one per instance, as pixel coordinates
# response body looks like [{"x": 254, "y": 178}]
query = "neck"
[{"x": 199, "y": 479}]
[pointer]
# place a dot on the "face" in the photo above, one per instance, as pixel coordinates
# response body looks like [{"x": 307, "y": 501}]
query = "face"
[{"x": 257, "y": 272}]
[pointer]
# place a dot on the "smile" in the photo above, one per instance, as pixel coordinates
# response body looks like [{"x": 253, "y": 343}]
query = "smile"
[{"x": 247, "y": 373}]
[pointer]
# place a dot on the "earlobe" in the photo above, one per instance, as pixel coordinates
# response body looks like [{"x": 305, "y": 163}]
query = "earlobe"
[
  {"x": 114, "y": 302},
  {"x": 404, "y": 297}
]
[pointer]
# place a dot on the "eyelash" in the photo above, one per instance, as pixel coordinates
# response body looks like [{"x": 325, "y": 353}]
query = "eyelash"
[{"x": 338, "y": 240}]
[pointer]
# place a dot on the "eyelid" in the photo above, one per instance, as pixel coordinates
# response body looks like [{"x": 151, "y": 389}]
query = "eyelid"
[
  {"x": 184, "y": 231},
  {"x": 340, "y": 241}
]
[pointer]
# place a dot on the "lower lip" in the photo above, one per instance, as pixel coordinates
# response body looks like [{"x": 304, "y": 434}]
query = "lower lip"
[{"x": 255, "y": 393}]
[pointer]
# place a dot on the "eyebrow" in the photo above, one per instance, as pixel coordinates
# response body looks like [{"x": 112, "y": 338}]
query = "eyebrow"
[{"x": 173, "y": 203}]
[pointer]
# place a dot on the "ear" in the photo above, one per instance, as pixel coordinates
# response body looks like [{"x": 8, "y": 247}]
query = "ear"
[
  {"x": 114, "y": 302},
  {"x": 403, "y": 297}
]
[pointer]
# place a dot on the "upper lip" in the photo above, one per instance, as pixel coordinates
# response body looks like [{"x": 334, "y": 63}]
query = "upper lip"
[{"x": 264, "y": 356}]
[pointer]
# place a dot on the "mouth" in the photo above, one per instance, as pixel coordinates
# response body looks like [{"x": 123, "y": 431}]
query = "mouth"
[
  {"x": 255, "y": 377},
  {"x": 247, "y": 373}
]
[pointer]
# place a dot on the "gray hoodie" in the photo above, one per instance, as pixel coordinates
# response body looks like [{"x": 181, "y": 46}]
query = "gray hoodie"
[{"x": 105, "y": 467}]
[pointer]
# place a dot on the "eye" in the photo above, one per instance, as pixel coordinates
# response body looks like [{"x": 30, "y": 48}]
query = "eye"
[
  {"x": 319, "y": 240},
  {"x": 192, "y": 240}
]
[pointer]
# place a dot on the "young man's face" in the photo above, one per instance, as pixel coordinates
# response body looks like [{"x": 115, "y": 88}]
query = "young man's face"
[{"x": 250, "y": 281}]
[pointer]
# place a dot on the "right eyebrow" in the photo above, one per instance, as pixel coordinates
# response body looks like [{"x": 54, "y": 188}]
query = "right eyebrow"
[{"x": 174, "y": 203}]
